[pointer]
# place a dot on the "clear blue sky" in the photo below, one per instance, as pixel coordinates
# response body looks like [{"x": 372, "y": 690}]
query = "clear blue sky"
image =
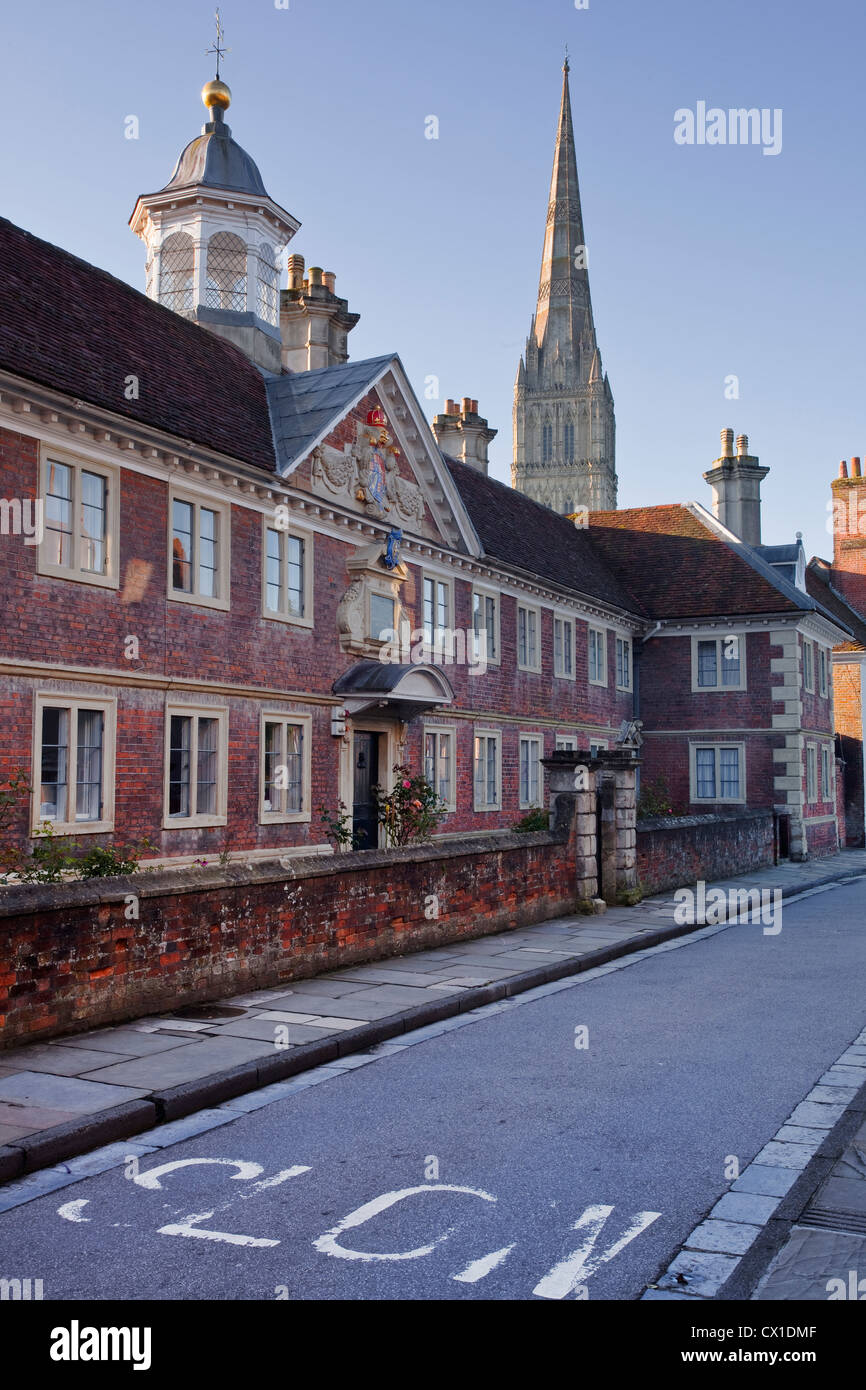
[{"x": 704, "y": 261}]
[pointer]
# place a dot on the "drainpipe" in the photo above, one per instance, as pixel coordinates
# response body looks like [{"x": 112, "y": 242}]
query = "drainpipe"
[{"x": 636, "y": 663}]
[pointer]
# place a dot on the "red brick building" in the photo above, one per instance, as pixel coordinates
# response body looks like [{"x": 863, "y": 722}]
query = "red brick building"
[{"x": 215, "y": 527}]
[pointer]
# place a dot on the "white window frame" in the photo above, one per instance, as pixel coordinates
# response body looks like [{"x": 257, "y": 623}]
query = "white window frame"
[
  {"x": 381, "y": 590},
  {"x": 823, "y": 670},
  {"x": 809, "y": 665},
  {"x": 624, "y": 644},
  {"x": 524, "y": 803},
  {"x": 110, "y": 579},
  {"x": 596, "y": 746},
  {"x": 565, "y": 743},
  {"x": 305, "y": 722},
  {"x": 717, "y": 746},
  {"x": 485, "y": 592},
  {"x": 496, "y": 735},
  {"x": 278, "y": 616},
  {"x": 811, "y": 773},
  {"x": 53, "y": 699},
  {"x": 430, "y": 577},
  {"x": 532, "y": 611},
  {"x": 224, "y": 513},
  {"x": 602, "y": 633},
  {"x": 435, "y": 730},
  {"x": 559, "y": 668},
  {"x": 720, "y": 657},
  {"x": 826, "y": 773},
  {"x": 196, "y": 712}
]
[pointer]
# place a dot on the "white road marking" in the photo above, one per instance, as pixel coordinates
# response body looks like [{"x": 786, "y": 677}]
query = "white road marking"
[
  {"x": 328, "y": 1244},
  {"x": 187, "y": 1227},
  {"x": 573, "y": 1271},
  {"x": 478, "y": 1268},
  {"x": 151, "y": 1178},
  {"x": 278, "y": 1178},
  {"x": 71, "y": 1211}
]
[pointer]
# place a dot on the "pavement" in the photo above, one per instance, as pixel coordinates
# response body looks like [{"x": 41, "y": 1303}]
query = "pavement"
[{"x": 73, "y": 1094}]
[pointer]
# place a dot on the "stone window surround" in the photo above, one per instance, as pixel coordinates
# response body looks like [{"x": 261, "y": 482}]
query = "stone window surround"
[
  {"x": 538, "y": 738},
  {"x": 451, "y": 729},
  {"x": 197, "y": 711},
  {"x": 602, "y": 632},
  {"x": 111, "y": 473},
  {"x": 301, "y": 533},
  {"x": 223, "y": 511},
  {"x": 719, "y": 640},
  {"x": 58, "y": 699},
  {"x": 528, "y": 608},
  {"x": 694, "y": 745},
  {"x": 271, "y": 715},
  {"x": 479, "y": 731}
]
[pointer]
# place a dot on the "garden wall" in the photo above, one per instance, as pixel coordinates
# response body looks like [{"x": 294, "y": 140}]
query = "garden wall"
[
  {"x": 674, "y": 851},
  {"x": 76, "y": 955}
]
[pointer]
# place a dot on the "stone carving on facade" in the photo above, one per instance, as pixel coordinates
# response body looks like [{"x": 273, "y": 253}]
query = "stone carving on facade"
[
  {"x": 338, "y": 472},
  {"x": 351, "y": 615}
]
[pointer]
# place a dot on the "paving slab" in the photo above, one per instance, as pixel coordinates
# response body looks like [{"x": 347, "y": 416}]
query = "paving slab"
[
  {"x": 69, "y": 1093},
  {"x": 131, "y": 1042},
  {"x": 727, "y": 1237},
  {"x": 363, "y": 1011},
  {"x": 698, "y": 1272},
  {"x": 767, "y": 1180},
  {"x": 269, "y": 1031},
  {"x": 816, "y": 1116},
  {"x": 841, "y": 1194},
  {"x": 746, "y": 1207},
  {"x": 807, "y": 1263},
  {"x": 64, "y": 1061},
  {"x": 181, "y": 1064}
]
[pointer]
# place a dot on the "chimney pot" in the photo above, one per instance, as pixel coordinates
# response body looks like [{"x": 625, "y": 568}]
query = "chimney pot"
[
  {"x": 474, "y": 406},
  {"x": 742, "y": 445},
  {"x": 330, "y": 280},
  {"x": 315, "y": 275},
  {"x": 296, "y": 271},
  {"x": 465, "y": 406},
  {"x": 450, "y": 407},
  {"x": 727, "y": 437},
  {"x": 855, "y": 468},
  {"x": 843, "y": 469}
]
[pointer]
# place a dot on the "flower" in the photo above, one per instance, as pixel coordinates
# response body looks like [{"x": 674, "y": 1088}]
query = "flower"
[
  {"x": 417, "y": 805},
  {"x": 407, "y": 785}
]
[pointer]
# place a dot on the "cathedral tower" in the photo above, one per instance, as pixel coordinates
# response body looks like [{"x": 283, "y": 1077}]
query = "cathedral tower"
[{"x": 563, "y": 406}]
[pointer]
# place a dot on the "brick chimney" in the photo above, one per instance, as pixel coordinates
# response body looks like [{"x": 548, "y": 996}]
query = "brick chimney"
[
  {"x": 736, "y": 484},
  {"x": 464, "y": 434},
  {"x": 314, "y": 321},
  {"x": 849, "y": 533}
]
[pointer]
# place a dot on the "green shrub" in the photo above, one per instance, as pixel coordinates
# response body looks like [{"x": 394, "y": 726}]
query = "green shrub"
[{"x": 536, "y": 819}]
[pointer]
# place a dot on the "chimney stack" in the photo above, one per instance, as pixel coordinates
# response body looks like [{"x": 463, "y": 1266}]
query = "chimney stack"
[
  {"x": 461, "y": 432},
  {"x": 314, "y": 321},
  {"x": 736, "y": 485},
  {"x": 849, "y": 533}
]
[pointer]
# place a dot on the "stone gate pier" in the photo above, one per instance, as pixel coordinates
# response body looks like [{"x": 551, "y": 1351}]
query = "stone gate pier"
[{"x": 595, "y": 798}]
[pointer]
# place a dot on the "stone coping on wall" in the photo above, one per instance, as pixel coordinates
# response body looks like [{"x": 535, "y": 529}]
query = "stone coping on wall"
[
  {"x": 708, "y": 818},
  {"x": 19, "y": 899}
]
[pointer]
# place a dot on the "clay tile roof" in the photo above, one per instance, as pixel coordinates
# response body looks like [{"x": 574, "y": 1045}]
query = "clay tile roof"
[
  {"x": 681, "y": 567},
  {"x": 69, "y": 326},
  {"x": 524, "y": 534},
  {"x": 819, "y": 583}
]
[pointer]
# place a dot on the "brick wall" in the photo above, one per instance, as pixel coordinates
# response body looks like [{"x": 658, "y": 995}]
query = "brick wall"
[
  {"x": 74, "y": 961},
  {"x": 676, "y": 851}
]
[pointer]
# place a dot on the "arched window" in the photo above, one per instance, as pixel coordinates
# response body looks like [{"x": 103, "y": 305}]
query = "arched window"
[
  {"x": 226, "y": 286},
  {"x": 546, "y": 443},
  {"x": 568, "y": 443},
  {"x": 176, "y": 263},
  {"x": 268, "y": 299}
]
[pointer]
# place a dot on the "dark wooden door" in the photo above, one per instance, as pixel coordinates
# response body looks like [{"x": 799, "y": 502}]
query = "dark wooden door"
[{"x": 365, "y": 827}]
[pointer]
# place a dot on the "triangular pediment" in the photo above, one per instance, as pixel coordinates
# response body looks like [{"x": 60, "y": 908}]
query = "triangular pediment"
[{"x": 355, "y": 436}]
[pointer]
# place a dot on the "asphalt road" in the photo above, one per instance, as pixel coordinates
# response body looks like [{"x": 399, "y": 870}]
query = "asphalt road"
[{"x": 503, "y": 1136}]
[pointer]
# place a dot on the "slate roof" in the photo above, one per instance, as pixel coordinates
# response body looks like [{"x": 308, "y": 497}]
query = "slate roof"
[
  {"x": 819, "y": 583},
  {"x": 305, "y": 406},
  {"x": 527, "y": 536},
  {"x": 68, "y": 325},
  {"x": 674, "y": 561}
]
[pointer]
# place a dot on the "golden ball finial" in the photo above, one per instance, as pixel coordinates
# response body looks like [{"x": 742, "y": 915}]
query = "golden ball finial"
[{"x": 216, "y": 94}]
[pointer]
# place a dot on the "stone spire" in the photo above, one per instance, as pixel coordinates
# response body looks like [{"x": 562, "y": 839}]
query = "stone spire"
[{"x": 563, "y": 407}]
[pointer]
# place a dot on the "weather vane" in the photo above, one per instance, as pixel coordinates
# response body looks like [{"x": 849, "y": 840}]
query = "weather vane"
[
  {"x": 566, "y": 67},
  {"x": 217, "y": 47}
]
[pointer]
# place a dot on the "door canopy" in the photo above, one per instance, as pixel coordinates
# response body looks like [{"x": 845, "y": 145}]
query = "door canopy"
[{"x": 403, "y": 692}]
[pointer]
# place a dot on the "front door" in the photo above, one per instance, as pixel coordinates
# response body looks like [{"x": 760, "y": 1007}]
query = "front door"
[{"x": 365, "y": 827}]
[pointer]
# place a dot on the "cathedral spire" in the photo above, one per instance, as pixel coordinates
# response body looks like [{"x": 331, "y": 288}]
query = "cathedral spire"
[
  {"x": 563, "y": 407},
  {"x": 563, "y": 286}
]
